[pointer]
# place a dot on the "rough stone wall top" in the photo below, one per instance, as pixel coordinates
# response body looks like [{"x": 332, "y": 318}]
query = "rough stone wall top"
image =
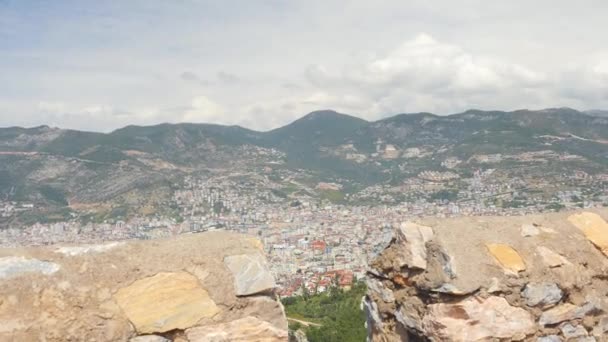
[
  {"x": 539, "y": 277},
  {"x": 185, "y": 289}
]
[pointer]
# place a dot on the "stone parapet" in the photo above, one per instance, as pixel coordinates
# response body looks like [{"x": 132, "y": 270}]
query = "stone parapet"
[
  {"x": 199, "y": 287},
  {"x": 526, "y": 278}
]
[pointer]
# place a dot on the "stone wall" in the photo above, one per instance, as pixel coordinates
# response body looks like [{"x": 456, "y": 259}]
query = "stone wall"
[
  {"x": 532, "y": 278},
  {"x": 202, "y": 287}
]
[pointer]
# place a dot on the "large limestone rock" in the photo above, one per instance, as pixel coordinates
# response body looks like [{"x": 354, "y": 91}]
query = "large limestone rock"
[
  {"x": 493, "y": 278},
  {"x": 138, "y": 291},
  {"x": 165, "y": 302}
]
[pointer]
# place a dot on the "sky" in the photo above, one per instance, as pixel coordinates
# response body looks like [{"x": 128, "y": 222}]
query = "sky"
[{"x": 100, "y": 65}]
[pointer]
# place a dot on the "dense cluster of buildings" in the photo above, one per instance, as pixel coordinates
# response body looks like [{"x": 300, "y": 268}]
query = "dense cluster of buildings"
[{"x": 311, "y": 243}]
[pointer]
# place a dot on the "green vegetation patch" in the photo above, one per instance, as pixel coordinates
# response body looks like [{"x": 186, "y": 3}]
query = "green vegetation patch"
[
  {"x": 337, "y": 311},
  {"x": 53, "y": 195}
]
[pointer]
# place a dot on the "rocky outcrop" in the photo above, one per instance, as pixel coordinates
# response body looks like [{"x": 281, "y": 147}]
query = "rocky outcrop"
[
  {"x": 529, "y": 278},
  {"x": 201, "y": 287}
]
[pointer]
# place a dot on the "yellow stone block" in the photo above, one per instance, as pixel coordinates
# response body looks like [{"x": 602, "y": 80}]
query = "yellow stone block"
[
  {"x": 165, "y": 302},
  {"x": 507, "y": 257},
  {"x": 594, "y": 227}
]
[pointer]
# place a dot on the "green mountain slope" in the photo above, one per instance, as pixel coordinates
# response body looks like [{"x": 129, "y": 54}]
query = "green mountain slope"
[{"x": 51, "y": 166}]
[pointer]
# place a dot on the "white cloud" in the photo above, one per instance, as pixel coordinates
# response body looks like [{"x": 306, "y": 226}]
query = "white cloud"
[
  {"x": 424, "y": 74},
  {"x": 113, "y": 63},
  {"x": 202, "y": 109}
]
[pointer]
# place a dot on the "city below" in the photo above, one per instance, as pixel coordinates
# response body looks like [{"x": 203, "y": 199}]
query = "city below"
[{"x": 312, "y": 243}]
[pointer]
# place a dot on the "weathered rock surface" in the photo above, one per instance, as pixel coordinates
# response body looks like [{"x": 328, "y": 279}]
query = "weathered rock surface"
[
  {"x": 476, "y": 319},
  {"x": 141, "y": 291},
  {"x": 493, "y": 278}
]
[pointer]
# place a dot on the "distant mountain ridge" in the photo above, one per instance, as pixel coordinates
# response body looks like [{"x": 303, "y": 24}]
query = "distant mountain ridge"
[{"x": 54, "y": 166}]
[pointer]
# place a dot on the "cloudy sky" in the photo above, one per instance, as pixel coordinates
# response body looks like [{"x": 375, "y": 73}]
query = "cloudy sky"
[{"x": 99, "y": 65}]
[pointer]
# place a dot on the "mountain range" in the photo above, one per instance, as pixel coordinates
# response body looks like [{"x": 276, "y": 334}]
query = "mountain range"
[{"x": 67, "y": 168}]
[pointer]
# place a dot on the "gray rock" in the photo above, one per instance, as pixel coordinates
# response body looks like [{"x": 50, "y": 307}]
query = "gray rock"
[
  {"x": 441, "y": 273},
  {"x": 373, "y": 322},
  {"x": 251, "y": 274},
  {"x": 550, "y": 338},
  {"x": 543, "y": 295},
  {"x": 592, "y": 307},
  {"x": 409, "y": 317},
  {"x": 376, "y": 286},
  {"x": 452, "y": 289},
  {"x": 569, "y": 331},
  {"x": 568, "y": 312},
  {"x": 15, "y": 266}
]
